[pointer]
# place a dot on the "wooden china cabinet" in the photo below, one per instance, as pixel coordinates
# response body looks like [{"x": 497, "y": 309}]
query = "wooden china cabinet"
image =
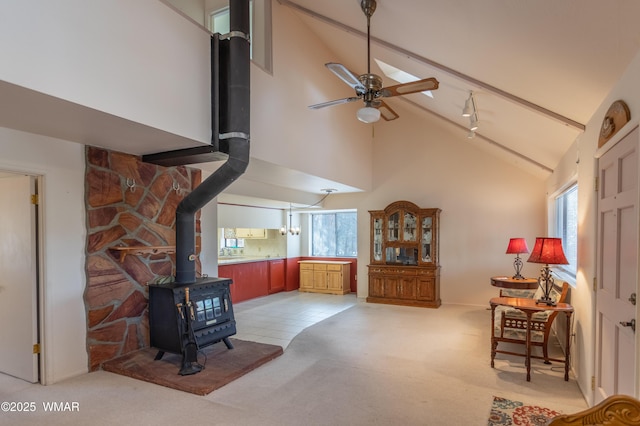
[{"x": 404, "y": 268}]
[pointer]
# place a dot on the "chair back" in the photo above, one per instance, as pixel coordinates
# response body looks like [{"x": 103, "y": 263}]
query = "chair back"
[
  {"x": 559, "y": 294},
  {"x": 617, "y": 410}
]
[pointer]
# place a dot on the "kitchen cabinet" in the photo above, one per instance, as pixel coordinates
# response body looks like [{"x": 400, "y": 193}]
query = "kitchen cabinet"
[
  {"x": 324, "y": 276},
  {"x": 404, "y": 267},
  {"x": 276, "y": 275},
  {"x": 255, "y": 233},
  {"x": 257, "y": 278}
]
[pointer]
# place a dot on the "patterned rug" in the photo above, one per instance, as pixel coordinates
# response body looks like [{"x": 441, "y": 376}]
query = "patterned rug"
[{"x": 507, "y": 412}]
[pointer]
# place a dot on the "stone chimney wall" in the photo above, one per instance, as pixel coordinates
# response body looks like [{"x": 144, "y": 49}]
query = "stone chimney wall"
[{"x": 128, "y": 203}]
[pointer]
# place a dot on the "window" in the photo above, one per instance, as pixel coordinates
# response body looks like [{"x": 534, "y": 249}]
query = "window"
[
  {"x": 260, "y": 30},
  {"x": 566, "y": 227},
  {"x": 334, "y": 234},
  {"x": 219, "y": 21}
]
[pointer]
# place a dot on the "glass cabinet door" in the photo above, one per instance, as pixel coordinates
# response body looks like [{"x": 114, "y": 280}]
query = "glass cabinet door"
[
  {"x": 394, "y": 227},
  {"x": 401, "y": 256},
  {"x": 377, "y": 238},
  {"x": 409, "y": 227},
  {"x": 427, "y": 239}
]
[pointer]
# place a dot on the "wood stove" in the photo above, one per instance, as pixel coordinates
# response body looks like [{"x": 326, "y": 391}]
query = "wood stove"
[{"x": 184, "y": 318}]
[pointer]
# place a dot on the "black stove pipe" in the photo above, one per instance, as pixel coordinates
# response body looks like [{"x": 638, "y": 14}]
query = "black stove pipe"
[{"x": 233, "y": 107}]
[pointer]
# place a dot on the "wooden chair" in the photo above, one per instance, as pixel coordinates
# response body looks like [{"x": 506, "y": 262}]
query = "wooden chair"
[
  {"x": 511, "y": 324},
  {"x": 617, "y": 410}
]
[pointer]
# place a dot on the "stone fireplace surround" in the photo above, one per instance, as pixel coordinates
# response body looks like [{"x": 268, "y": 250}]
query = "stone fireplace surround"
[{"x": 128, "y": 203}]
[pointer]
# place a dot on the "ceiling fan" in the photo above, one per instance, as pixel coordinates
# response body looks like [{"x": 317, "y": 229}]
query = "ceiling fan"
[{"x": 368, "y": 86}]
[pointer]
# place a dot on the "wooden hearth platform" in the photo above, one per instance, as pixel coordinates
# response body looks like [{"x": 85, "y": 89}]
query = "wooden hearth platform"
[{"x": 222, "y": 365}]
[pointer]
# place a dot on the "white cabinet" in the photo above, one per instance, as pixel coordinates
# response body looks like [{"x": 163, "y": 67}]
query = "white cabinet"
[{"x": 251, "y": 233}]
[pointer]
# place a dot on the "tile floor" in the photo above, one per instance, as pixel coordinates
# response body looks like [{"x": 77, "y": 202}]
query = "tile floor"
[{"x": 276, "y": 319}]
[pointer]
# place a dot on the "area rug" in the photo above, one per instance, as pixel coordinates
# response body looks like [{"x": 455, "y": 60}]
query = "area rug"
[
  {"x": 507, "y": 412},
  {"x": 222, "y": 365}
]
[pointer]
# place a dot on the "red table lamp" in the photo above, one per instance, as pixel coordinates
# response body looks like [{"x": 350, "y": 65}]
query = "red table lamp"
[
  {"x": 548, "y": 251},
  {"x": 517, "y": 246}
]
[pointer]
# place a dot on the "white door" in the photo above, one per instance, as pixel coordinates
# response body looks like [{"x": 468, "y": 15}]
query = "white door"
[
  {"x": 617, "y": 268},
  {"x": 18, "y": 278}
]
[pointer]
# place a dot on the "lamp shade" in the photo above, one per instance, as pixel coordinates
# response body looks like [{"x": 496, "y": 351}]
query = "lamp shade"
[
  {"x": 549, "y": 251},
  {"x": 517, "y": 246}
]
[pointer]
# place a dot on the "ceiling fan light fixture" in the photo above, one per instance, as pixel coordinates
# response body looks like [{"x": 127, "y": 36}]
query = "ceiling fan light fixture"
[
  {"x": 369, "y": 87},
  {"x": 368, "y": 114}
]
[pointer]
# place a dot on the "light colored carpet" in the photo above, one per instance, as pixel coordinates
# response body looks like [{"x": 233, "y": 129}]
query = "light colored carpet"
[{"x": 368, "y": 365}]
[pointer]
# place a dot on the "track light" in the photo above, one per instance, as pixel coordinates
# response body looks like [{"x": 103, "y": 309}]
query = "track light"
[
  {"x": 470, "y": 111},
  {"x": 473, "y": 126},
  {"x": 468, "y": 106}
]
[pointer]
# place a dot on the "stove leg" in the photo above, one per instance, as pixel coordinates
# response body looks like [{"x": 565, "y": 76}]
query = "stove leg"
[
  {"x": 228, "y": 343},
  {"x": 159, "y": 355}
]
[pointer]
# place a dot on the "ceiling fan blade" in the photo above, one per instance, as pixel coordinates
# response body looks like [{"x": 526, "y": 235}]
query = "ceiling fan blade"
[
  {"x": 412, "y": 87},
  {"x": 347, "y": 76},
  {"x": 386, "y": 112},
  {"x": 336, "y": 102}
]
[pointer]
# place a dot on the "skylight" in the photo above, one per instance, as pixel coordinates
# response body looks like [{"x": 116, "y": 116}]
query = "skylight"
[{"x": 399, "y": 75}]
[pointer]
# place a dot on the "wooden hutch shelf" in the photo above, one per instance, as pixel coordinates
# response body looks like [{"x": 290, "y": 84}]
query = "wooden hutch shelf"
[{"x": 404, "y": 268}]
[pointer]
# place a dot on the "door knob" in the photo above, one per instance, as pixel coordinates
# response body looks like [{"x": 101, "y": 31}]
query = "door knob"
[
  {"x": 631, "y": 324},
  {"x": 632, "y": 299}
]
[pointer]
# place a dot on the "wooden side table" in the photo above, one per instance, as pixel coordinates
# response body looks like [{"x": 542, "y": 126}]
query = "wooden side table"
[
  {"x": 508, "y": 282},
  {"x": 529, "y": 307}
]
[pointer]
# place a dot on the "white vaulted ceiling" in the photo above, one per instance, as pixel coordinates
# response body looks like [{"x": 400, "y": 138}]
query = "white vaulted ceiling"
[{"x": 538, "y": 69}]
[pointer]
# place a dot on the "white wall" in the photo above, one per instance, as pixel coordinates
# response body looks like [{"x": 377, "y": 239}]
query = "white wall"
[
  {"x": 121, "y": 57},
  {"x": 209, "y": 235},
  {"x": 194, "y": 9},
  {"x": 585, "y": 149},
  {"x": 484, "y": 202},
  {"x": 61, "y": 164}
]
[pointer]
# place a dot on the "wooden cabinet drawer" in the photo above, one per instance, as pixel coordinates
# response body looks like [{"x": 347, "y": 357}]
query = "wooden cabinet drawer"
[
  {"x": 319, "y": 267},
  {"x": 427, "y": 272},
  {"x": 399, "y": 271},
  {"x": 334, "y": 267},
  {"x": 308, "y": 266}
]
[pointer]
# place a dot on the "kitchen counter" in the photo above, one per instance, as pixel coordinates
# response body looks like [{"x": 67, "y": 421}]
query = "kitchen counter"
[
  {"x": 232, "y": 260},
  {"x": 253, "y": 276}
]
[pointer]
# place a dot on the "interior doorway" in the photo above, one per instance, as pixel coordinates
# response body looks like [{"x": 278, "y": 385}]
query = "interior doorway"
[
  {"x": 20, "y": 290},
  {"x": 617, "y": 269}
]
